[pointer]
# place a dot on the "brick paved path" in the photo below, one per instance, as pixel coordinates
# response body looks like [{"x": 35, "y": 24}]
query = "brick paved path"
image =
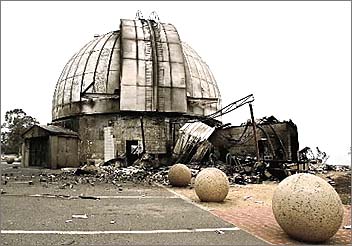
[{"x": 261, "y": 223}]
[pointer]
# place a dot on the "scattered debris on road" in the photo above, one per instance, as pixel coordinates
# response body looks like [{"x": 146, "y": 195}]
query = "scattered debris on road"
[
  {"x": 247, "y": 197},
  {"x": 79, "y": 216},
  {"x": 88, "y": 197},
  {"x": 70, "y": 242}
]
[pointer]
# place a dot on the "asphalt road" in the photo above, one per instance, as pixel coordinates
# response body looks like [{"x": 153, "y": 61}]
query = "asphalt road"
[{"x": 136, "y": 215}]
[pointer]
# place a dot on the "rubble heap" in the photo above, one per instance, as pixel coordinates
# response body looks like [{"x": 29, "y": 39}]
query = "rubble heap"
[{"x": 145, "y": 171}]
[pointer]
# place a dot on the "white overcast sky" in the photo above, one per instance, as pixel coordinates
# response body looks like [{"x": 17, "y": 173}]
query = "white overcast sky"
[{"x": 295, "y": 57}]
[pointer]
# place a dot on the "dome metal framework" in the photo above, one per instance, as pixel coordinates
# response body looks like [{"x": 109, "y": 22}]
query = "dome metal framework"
[{"x": 144, "y": 66}]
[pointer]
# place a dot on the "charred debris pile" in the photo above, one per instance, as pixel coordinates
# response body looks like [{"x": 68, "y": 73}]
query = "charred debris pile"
[{"x": 232, "y": 149}]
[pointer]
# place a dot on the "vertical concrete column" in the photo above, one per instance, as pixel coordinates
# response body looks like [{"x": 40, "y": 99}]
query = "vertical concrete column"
[{"x": 109, "y": 147}]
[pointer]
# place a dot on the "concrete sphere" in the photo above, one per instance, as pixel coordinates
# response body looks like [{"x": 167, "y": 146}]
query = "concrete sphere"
[
  {"x": 307, "y": 208},
  {"x": 212, "y": 185},
  {"x": 10, "y": 160},
  {"x": 179, "y": 175}
]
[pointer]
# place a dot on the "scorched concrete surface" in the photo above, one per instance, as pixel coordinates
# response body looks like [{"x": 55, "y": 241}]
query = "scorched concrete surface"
[{"x": 41, "y": 214}]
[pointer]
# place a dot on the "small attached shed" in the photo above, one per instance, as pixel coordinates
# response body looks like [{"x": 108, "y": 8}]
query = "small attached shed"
[{"x": 50, "y": 146}]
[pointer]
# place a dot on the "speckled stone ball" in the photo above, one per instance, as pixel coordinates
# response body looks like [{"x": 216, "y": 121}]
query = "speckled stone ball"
[
  {"x": 307, "y": 208},
  {"x": 211, "y": 185},
  {"x": 179, "y": 175},
  {"x": 10, "y": 160}
]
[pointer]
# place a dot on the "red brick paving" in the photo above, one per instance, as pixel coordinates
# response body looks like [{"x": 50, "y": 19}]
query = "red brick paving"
[{"x": 261, "y": 223}]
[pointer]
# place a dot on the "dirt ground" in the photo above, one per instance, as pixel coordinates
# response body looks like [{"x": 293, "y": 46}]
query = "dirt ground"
[
  {"x": 342, "y": 184},
  {"x": 257, "y": 195},
  {"x": 240, "y": 196}
]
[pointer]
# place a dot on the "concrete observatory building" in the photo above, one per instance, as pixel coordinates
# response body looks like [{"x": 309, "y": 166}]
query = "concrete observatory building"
[{"x": 129, "y": 91}]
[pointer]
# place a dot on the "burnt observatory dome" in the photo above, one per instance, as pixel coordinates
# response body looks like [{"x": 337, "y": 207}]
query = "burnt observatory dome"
[
  {"x": 129, "y": 91},
  {"x": 143, "y": 67}
]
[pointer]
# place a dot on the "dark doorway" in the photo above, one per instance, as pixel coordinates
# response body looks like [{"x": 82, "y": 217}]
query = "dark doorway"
[
  {"x": 131, "y": 151},
  {"x": 38, "y": 151}
]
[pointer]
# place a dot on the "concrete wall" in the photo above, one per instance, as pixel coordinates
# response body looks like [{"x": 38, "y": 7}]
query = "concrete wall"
[{"x": 160, "y": 132}]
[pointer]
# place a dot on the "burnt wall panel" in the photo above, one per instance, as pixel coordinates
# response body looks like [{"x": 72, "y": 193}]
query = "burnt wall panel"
[
  {"x": 39, "y": 152},
  {"x": 136, "y": 66},
  {"x": 61, "y": 152},
  {"x": 54, "y": 145},
  {"x": 281, "y": 140},
  {"x": 126, "y": 128},
  {"x": 67, "y": 151},
  {"x": 159, "y": 132},
  {"x": 151, "y": 67}
]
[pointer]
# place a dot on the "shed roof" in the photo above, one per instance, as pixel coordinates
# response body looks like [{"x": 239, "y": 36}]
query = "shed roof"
[
  {"x": 53, "y": 130},
  {"x": 58, "y": 130}
]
